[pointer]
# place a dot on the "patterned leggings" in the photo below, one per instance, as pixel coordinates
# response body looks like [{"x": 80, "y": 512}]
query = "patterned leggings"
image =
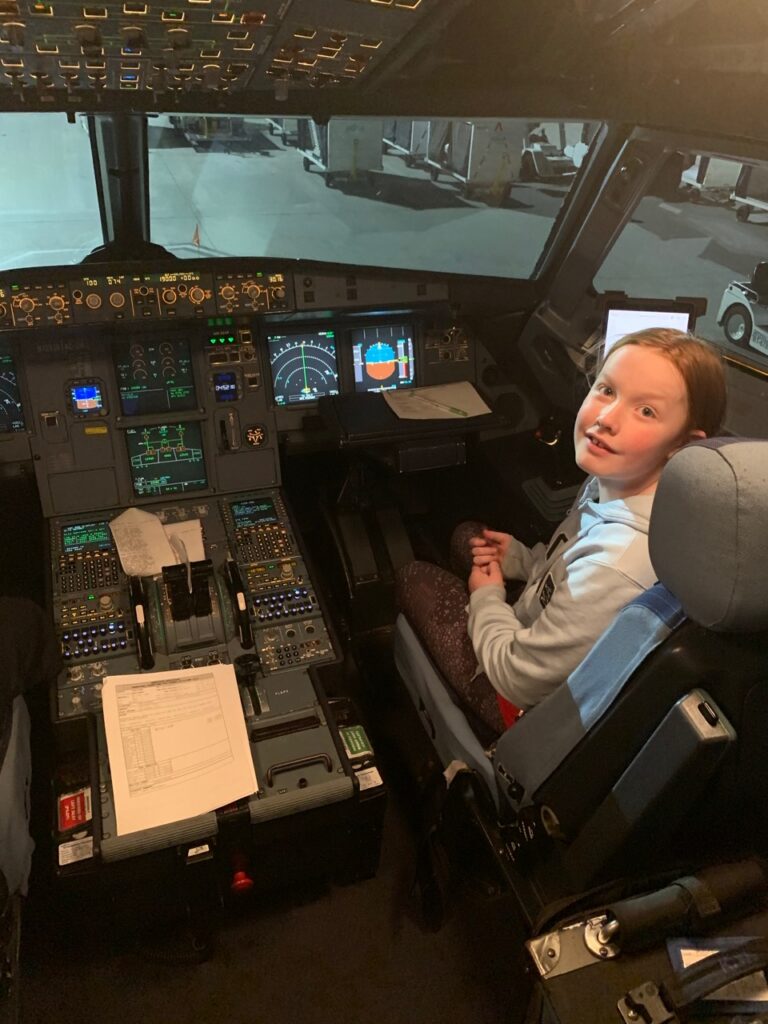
[{"x": 434, "y": 602}]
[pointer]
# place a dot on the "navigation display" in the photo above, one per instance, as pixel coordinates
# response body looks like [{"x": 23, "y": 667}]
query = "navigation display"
[
  {"x": 253, "y": 512},
  {"x": 166, "y": 458},
  {"x": 11, "y": 412},
  {"x": 85, "y": 537},
  {"x": 383, "y": 357},
  {"x": 303, "y": 366},
  {"x": 154, "y": 377}
]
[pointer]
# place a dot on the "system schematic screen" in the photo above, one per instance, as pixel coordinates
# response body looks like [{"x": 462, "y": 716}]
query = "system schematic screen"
[
  {"x": 11, "y": 410},
  {"x": 166, "y": 458},
  {"x": 253, "y": 512},
  {"x": 77, "y": 537},
  {"x": 303, "y": 366},
  {"x": 383, "y": 357},
  {"x": 154, "y": 377}
]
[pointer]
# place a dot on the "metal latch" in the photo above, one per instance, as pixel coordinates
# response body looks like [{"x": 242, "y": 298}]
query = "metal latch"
[{"x": 644, "y": 1005}]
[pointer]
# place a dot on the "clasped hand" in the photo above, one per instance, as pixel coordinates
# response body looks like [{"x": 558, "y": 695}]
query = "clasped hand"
[{"x": 488, "y": 552}]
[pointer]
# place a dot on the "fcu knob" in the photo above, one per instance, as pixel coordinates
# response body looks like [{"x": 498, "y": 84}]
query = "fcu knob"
[
  {"x": 196, "y": 295},
  {"x": 27, "y": 305}
]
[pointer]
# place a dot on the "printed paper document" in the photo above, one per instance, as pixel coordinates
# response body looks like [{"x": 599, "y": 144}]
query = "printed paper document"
[
  {"x": 438, "y": 402},
  {"x": 177, "y": 744},
  {"x": 145, "y": 545}
]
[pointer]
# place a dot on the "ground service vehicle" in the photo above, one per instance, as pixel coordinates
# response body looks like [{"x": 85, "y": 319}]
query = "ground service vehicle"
[{"x": 195, "y": 329}]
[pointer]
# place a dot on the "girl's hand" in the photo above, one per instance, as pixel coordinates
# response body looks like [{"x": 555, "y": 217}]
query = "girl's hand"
[
  {"x": 485, "y": 576},
  {"x": 491, "y": 547}
]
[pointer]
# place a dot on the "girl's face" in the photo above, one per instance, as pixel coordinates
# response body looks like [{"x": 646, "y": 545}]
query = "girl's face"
[{"x": 631, "y": 421}]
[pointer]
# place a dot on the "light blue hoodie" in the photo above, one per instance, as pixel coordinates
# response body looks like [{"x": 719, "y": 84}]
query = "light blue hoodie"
[{"x": 596, "y": 562}]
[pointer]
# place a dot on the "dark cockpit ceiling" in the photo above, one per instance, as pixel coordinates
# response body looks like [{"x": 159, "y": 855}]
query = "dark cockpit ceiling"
[{"x": 635, "y": 61}]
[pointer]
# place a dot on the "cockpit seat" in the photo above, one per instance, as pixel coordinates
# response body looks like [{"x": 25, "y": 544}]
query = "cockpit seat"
[
  {"x": 30, "y": 658},
  {"x": 652, "y": 751}
]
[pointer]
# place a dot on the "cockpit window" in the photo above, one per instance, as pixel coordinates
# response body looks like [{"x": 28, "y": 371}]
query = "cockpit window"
[
  {"x": 49, "y": 210},
  {"x": 703, "y": 231},
  {"x": 452, "y": 196}
]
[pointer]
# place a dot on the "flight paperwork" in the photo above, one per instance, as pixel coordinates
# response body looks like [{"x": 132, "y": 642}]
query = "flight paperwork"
[
  {"x": 144, "y": 544},
  {"x": 440, "y": 401},
  {"x": 177, "y": 743}
]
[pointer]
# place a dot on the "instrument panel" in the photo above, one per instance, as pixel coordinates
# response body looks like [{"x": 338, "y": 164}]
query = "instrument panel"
[{"x": 133, "y": 385}]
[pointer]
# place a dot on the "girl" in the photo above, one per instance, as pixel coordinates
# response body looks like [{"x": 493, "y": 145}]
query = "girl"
[{"x": 655, "y": 391}]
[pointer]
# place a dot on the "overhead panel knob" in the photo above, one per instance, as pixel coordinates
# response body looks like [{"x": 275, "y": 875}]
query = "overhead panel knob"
[
  {"x": 14, "y": 32},
  {"x": 88, "y": 35},
  {"x": 133, "y": 36},
  {"x": 179, "y": 38}
]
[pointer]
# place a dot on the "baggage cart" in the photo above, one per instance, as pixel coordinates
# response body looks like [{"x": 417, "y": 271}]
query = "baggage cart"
[
  {"x": 751, "y": 192},
  {"x": 408, "y": 138},
  {"x": 343, "y": 149},
  {"x": 483, "y": 156}
]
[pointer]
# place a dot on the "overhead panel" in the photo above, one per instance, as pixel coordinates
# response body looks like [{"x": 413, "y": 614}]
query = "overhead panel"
[{"x": 65, "y": 54}]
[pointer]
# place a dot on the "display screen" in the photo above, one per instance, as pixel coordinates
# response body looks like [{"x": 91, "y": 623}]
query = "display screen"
[
  {"x": 383, "y": 357},
  {"x": 85, "y": 537},
  {"x": 154, "y": 377},
  {"x": 11, "y": 411},
  {"x": 303, "y": 366},
  {"x": 253, "y": 512},
  {"x": 225, "y": 386},
  {"x": 86, "y": 399},
  {"x": 166, "y": 458},
  {"x": 620, "y": 322}
]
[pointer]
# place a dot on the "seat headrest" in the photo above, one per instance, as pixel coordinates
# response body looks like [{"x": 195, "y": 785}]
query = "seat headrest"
[{"x": 708, "y": 537}]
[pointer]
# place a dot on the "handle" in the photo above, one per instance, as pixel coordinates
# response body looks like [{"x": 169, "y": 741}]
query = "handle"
[
  {"x": 240, "y": 605},
  {"x": 140, "y": 623},
  {"x": 299, "y": 762}
]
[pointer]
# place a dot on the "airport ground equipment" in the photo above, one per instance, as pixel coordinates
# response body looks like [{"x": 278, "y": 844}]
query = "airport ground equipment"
[
  {"x": 751, "y": 192},
  {"x": 410, "y": 139},
  {"x": 711, "y": 178},
  {"x": 343, "y": 149},
  {"x": 204, "y": 132},
  {"x": 483, "y": 156},
  {"x": 286, "y": 127},
  {"x": 743, "y": 311}
]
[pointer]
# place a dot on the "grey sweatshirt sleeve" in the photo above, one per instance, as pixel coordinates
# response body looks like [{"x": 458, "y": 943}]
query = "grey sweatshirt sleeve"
[
  {"x": 525, "y": 664},
  {"x": 519, "y": 560}
]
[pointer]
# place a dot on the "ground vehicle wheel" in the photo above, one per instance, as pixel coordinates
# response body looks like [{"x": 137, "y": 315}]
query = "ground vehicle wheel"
[
  {"x": 742, "y": 213},
  {"x": 410, "y": 160},
  {"x": 307, "y": 163},
  {"x": 737, "y": 325},
  {"x": 434, "y": 173},
  {"x": 330, "y": 180},
  {"x": 527, "y": 168}
]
